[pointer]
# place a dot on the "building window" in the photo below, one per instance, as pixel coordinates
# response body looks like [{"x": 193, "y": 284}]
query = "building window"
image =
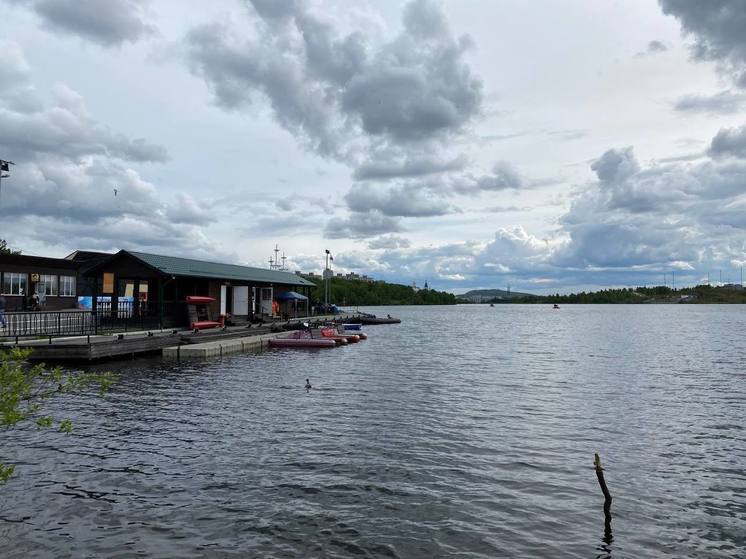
[
  {"x": 14, "y": 283},
  {"x": 47, "y": 285},
  {"x": 67, "y": 286}
]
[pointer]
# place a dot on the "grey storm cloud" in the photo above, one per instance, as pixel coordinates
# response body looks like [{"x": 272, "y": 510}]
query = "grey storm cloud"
[
  {"x": 362, "y": 225},
  {"x": 397, "y": 201},
  {"x": 717, "y": 27},
  {"x": 109, "y": 23},
  {"x": 343, "y": 95},
  {"x": 503, "y": 177},
  {"x": 724, "y": 102},
  {"x": 729, "y": 142},
  {"x": 384, "y": 169},
  {"x": 615, "y": 165}
]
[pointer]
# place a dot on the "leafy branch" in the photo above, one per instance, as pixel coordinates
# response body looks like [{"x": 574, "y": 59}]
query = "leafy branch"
[{"x": 24, "y": 388}]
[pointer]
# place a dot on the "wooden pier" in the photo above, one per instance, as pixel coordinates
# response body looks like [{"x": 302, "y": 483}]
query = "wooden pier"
[{"x": 171, "y": 343}]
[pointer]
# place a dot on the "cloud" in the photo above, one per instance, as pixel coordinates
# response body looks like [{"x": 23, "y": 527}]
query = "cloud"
[
  {"x": 402, "y": 201},
  {"x": 724, "y": 102},
  {"x": 345, "y": 96},
  {"x": 729, "y": 142},
  {"x": 651, "y": 217},
  {"x": 384, "y": 169},
  {"x": 389, "y": 242},
  {"x": 63, "y": 129},
  {"x": 186, "y": 209},
  {"x": 654, "y": 47},
  {"x": 626, "y": 227},
  {"x": 615, "y": 165},
  {"x": 362, "y": 225},
  {"x": 503, "y": 177},
  {"x": 108, "y": 23},
  {"x": 68, "y": 166},
  {"x": 717, "y": 28}
]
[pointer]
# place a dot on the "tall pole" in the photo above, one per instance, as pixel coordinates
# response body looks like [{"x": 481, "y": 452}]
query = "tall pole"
[
  {"x": 326, "y": 281},
  {"x": 4, "y": 168}
]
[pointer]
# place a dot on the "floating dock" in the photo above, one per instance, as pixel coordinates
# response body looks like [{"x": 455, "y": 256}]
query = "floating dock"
[{"x": 173, "y": 344}]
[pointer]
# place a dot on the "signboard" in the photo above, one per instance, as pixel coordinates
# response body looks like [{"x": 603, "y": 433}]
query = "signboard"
[
  {"x": 108, "y": 283},
  {"x": 85, "y": 303}
]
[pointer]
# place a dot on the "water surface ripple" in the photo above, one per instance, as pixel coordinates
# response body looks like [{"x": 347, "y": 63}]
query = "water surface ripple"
[{"x": 463, "y": 432}]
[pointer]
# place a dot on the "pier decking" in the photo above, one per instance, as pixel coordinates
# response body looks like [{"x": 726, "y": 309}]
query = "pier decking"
[{"x": 173, "y": 344}]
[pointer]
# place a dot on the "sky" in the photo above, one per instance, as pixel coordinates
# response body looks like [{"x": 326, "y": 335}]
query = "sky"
[{"x": 550, "y": 146}]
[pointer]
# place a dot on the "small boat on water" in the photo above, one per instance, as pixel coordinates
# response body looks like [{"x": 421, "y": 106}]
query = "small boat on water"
[
  {"x": 354, "y": 329},
  {"x": 302, "y": 338},
  {"x": 373, "y": 319},
  {"x": 335, "y": 334},
  {"x": 556, "y": 306}
]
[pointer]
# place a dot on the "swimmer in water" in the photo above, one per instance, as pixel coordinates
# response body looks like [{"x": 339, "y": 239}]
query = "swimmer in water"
[{"x": 308, "y": 384}]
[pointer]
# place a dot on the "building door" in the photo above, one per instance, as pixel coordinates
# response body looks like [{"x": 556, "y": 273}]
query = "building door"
[
  {"x": 223, "y": 298},
  {"x": 241, "y": 300},
  {"x": 266, "y": 301}
]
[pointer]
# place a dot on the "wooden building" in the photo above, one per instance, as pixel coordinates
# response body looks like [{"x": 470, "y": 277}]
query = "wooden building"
[
  {"x": 57, "y": 281},
  {"x": 158, "y": 285}
]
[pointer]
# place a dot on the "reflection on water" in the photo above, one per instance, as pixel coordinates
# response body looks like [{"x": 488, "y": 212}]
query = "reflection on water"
[{"x": 465, "y": 432}]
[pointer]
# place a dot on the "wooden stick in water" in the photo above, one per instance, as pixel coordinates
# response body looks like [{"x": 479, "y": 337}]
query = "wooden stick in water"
[
  {"x": 602, "y": 483},
  {"x": 608, "y": 538}
]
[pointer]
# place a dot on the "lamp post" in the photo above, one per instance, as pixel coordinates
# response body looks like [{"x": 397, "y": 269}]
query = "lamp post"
[
  {"x": 326, "y": 280},
  {"x": 4, "y": 172}
]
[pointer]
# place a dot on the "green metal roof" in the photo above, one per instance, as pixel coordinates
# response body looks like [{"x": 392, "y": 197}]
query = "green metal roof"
[{"x": 174, "y": 266}]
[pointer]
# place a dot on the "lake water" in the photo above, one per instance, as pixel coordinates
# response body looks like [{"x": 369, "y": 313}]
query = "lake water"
[{"x": 463, "y": 432}]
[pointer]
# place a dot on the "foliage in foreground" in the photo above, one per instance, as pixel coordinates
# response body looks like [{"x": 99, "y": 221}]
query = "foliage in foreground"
[{"x": 24, "y": 388}]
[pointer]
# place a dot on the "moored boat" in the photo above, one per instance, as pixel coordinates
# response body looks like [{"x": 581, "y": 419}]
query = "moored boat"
[
  {"x": 334, "y": 334},
  {"x": 302, "y": 338}
]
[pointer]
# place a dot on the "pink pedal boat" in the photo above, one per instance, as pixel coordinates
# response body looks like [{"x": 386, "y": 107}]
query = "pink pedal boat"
[{"x": 302, "y": 338}]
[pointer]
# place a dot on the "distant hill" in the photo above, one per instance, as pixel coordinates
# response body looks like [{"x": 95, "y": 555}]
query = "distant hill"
[{"x": 487, "y": 295}]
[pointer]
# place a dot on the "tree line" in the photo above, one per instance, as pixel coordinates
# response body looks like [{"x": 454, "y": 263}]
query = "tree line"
[
  {"x": 355, "y": 292},
  {"x": 630, "y": 295}
]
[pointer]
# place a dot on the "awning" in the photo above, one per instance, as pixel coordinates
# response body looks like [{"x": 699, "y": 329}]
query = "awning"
[{"x": 291, "y": 296}]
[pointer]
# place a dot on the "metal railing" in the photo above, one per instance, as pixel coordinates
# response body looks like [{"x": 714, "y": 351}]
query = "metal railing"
[{"x": 105, "y": 319}]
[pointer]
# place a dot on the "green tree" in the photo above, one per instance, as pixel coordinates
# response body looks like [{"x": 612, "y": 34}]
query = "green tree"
[
  {"x": 24, "y": 388},
  {"x": 5, "y": 249}
]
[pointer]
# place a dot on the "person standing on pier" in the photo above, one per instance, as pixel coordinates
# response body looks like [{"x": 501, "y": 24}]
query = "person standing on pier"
[{"x": 2, "y": 312}]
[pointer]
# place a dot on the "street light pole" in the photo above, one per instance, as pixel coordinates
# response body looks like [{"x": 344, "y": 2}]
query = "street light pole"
[
  {"x": 4, "y": 173},
  {"x": 326, "y": 280}
]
